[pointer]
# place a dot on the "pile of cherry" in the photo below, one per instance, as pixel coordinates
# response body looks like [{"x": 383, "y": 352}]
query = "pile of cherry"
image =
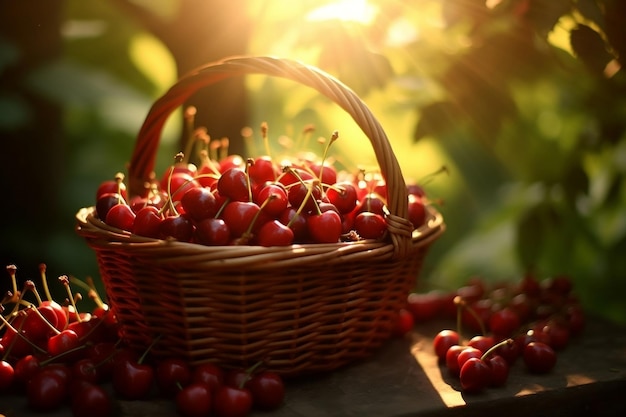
[
  {"x": 531, "y": 319},
  {"x": 230, "y": 200},
  {"x": 57, "y": 356}
]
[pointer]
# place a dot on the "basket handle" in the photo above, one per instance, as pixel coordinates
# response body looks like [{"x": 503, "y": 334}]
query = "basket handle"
[{"x": 143, "y": 158}]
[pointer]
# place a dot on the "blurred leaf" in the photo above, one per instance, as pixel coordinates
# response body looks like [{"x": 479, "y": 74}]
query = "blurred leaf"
[
  {"x": 591, "y": 10},
  {"x": 14, "y": 112},
  {"x": 589, "y": 47},
  {"x": 456, "y": 11},
  {"x": 544, "y": 14},
  {"x": 616, "y": 27},
  {"x": 9, "y": 54},
  {"x": 435, "y": 119},
  {"x": 534, "y": 229},
  {"x": 575, "y": 182}
]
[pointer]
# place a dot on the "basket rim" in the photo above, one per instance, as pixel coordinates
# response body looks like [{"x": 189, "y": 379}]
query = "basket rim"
[{"x": 102, "y": 236}]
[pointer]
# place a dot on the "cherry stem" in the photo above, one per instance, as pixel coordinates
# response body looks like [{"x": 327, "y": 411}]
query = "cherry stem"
[
  {"x": 496, "y": 347},
  {"x": 90, "y": 287},
  {"x": 205, "y": 160},
  {"x": 189, "y": 116},
  {"x": 11, "y": 269},
  {"x": 304, "y": 136},
  {"x": 458, "y": 300},
  {"x": 60, "y": 355},
  {"x": 248, "y": 233},
  {"x": 170, "y": 204},
  {"x": 249, "y": 373},
  {"x": 224, "y": 144},
  {"x": 266, "y": 142},
  {"x": 249, "y": 163},
  {"x": 429, "y": 177},
  {"x": 44, "y": 280},
  {"x": 145, "y": 353},
  {"x": 333, "y": 138},
  {"x": 66, "y": 283}
]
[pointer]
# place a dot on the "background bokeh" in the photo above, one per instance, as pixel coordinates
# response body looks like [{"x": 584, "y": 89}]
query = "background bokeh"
[{"x": 522, "y": 101}]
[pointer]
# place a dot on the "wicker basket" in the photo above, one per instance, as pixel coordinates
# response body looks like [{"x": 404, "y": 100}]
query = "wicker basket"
[{"x": 302, "y": 308}]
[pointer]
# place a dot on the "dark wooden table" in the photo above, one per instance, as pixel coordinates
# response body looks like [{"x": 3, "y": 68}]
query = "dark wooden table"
[{"x": 404, "y": 379}]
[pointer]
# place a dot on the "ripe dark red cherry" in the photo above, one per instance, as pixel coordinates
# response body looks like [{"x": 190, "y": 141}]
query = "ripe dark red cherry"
[
  {"x": 370, "y": 225},
  {"x": 343, "y": 196},
  {"x": 475, "y": 375},
  {"x": 121, "y": 216},
  {"x": 443, "y": 341},
  {"x": 539, "y": 357}
]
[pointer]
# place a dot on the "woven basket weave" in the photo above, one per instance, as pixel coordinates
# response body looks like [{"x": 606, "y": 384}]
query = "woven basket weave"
[{"x": 301, "y": 308}]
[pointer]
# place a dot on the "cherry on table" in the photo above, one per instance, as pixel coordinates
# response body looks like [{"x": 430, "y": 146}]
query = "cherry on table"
[
  {"x": 46, "y": 391},
  {"x": 194, "y": 400},
  {"x": 90, "y": 400},
  {"x": 475, "y": 375},
  {"x": 232, "y": 401},
  {"x": 443, "y": 341},
  {"x": 267, "y": 389},
  {"x": 208, "y": 374},
  {"x": 171, "y": 374},
  {"x": 539, "y": 357}
]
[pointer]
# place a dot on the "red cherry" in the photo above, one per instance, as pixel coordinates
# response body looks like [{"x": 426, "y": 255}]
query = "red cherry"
[
  {"x": 194, "y": 400},
  {"x": 370, "y": 225},
  {"x": 112, "y": 187},
  {"x": 452, "y": 359},
  {"x": 267, "y": 389},
  {"x": 91, "y": 400},
  {"x": 105, "y": 202},
  {"x": 132, "y": 380},
  {"x": 232, "y": 402},
  {"x": 85, "y": 369},
  {"x": 343, "y": 196},
  {"x": 171, "y": 374},
  {"x": 504, "y": 322},
  {"x": 297, "y": 222},
  {"x": 298, "y": 195},
  {"x": 63, "y": 342},
  {"x": 46, "y": 391},
  {"x": 481, "y": 342},
  {"x": 121, "y": 216},
  {"x": 499, "y": 370},
  {"x": 199, "y": 203},
  {"x": 26, "y": 367},
  {"x": 468, "y": 353},
  {"x": 326, "y": 173},
  {"x": 234, "y": 184},
  {"x": 232, "y": 161},
  {"x": 147, "y": 222},
  {"x": 238, "y": 215},
  {"x": 324, "y": 227},
  {"x": 208, "y": 374},
  {"x": 213, "y": 232},
  {"x": 179, "y": 227},
  {"x": 404, "y": 323},
  {"x": 373, "y": 203},
  {"x": 475, "y": 375},
  {"x": 7, "y": 375},
  {"x": 62, "y": 318},
  {"x": 273, "y": 198},
  {"x": 425, "y": 306},
  {"x": 262, "y": 170},
  {"x": 443, "y": 341},
  {"x": 274, "y": 233},
  {"x": 539, "y": 357},
  {"x": 181, "y": 183},
  {"x": 417, "y": 211}
]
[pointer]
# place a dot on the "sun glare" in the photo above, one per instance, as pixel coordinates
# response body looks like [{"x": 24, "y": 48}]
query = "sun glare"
[{"x": 346, "y": 10}]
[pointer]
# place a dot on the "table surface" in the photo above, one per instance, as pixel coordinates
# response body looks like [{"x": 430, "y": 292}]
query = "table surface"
[{"x": 404, "y": 379}]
